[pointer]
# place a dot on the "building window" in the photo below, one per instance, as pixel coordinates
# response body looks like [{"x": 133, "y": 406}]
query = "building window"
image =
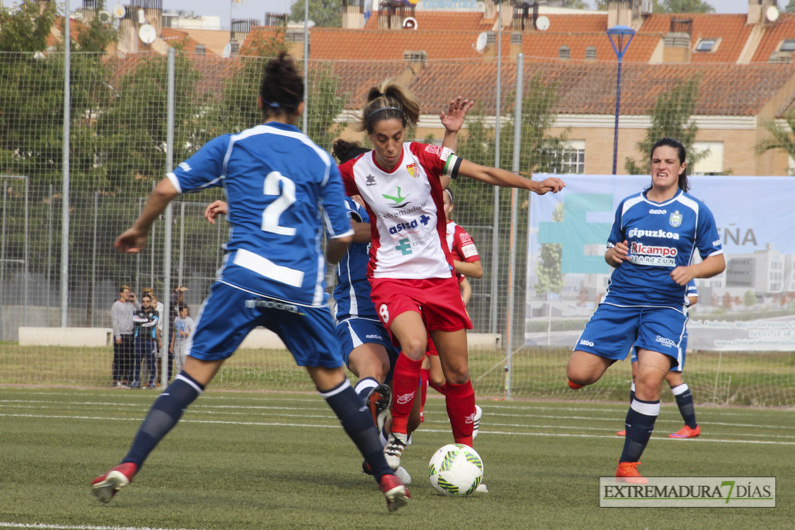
[
  {"x": 564, "y": 52},
  {"x": 711, "y": 163},
  {"x": 706, "y": 45},
  {"x": 590, "y": 53},
  {"x": 788, "y": 46},
  {"x": 571, "y": 159}
]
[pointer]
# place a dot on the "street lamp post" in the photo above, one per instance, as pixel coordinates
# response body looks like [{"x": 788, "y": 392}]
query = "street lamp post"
[{"x": 617, "y": 36}]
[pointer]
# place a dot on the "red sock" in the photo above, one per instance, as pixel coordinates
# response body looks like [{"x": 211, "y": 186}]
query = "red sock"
[
  {"x": 405, "y": 380},
  {"x": 424, "y": 391},
  {"x": 442, "y": 389},
  {"x": 461, "y": 410}
]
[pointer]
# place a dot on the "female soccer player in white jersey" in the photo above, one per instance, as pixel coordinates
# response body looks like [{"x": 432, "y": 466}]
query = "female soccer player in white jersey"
[
  {"x": 280, "y": 187},
  {"x": 410, "y": 266},
  {"x": 651, "y": 246}
]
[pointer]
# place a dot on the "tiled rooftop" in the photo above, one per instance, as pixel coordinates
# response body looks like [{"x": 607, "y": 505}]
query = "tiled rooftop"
[
  {"x": 784, "y": 28},
  {"x": 732, "y": 31}
]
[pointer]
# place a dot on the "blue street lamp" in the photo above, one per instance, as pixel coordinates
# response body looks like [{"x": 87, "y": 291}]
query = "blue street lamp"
[{"x": 620, "y": 34}]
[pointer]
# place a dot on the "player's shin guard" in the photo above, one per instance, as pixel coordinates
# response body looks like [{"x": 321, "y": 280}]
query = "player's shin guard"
[
  {"x": 684, "y": 400},
  {"x": 164, "y": 414},
  {"x": 358, "y": 424},
  {"x": 639, "y": 424},
  {"x": 460, "y": 401},
  {"x": 405, "y": 381}
]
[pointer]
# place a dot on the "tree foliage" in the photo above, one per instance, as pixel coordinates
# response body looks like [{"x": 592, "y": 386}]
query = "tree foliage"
[
  {"x": 780, "y": 137},
  {"x": 790, "y": 7},
  {"x": 670, "y": 117},
  {"x": 324, "y": 13},
  {"x": 550, "y": 279},
  {"x": 671, "y": 6},
  {"x": 25, "y": 28}
]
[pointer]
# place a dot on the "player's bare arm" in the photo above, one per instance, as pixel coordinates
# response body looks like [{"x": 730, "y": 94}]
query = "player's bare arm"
[
  {"x": 134, "y": 239},
  {"x": 506, "y": 179},
  {"x": 712, "y": 266}
]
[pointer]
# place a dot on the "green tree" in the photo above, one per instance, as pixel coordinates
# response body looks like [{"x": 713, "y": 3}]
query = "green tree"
[
  {"x": 780, "y": 137},
  {"x": 25, "y": 28},
  {"x": 95, "y": 36},
  {"x": 790, "y": 7},
  {"x": 324, "y": 13},
  {"x": 749, "y": 298},
  {"x": 324, "y": 104},
  {"x": 670, "y": 117},
  {"x": 550, "y": 279},
  {"x": 671, "y": 6},
  {"x": 683, "y": 6}
]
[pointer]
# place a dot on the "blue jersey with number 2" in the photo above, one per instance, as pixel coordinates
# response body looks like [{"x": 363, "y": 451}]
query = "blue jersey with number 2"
[
  {"x": 281, "y": 189},
  {"x": 661, "y": 237}
]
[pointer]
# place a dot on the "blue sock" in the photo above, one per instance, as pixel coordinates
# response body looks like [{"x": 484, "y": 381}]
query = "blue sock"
[
  {"x": 164, "y": 414},
  {"x": 364, "y": 387},
  {"x": 358, "y": 423},
  {"x": 639, "y": 424},
  {"x": 684, "y": 400}
]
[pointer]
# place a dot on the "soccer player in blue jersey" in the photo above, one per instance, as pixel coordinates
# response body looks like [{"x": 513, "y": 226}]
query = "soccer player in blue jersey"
[
  {"x": 652, "y": 247},
  {"x": 680, "y": 390},
  {"x": 281, "y": 189}
]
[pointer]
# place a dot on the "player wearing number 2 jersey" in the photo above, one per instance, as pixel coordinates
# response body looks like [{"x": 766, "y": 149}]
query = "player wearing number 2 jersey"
[
  {"x": 410, "y": 267},
  {"x": 281, "y": 189}
]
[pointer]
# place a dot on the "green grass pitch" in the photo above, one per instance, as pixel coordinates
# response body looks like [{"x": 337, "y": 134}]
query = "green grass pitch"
[{"x": 281, "y": 460}]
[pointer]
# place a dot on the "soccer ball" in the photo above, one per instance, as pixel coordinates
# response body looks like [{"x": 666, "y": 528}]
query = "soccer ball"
[{"x": 455, "y": 469}]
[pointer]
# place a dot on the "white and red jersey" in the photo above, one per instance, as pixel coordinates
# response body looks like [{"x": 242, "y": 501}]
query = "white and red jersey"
[
  {"x": 462, "y": 246},
  {"x": 406, "y": 211}
]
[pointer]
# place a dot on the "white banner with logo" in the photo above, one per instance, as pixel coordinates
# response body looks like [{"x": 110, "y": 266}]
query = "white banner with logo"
[{"x": 749, "y": 307}]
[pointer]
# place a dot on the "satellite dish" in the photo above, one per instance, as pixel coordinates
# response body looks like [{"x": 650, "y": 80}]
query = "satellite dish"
[
  {"x": 771, "y": 13},
  {"x": 542, "y": 23},
  {"x": 410, "y": 23},
  {"x": 105, "y": 17},
  {"x": 119, "y": 11},
  {"x": 147, "y": 34},
  {"x": 480, "y": 44},
  {"x": 227, "y": 53}
]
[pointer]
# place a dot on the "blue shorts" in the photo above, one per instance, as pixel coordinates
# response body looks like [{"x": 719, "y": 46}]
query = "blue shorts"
[
  {"x": 229, "y": 314},
  {"x": 681, "y": 366},
  {"x": 353, "y": 332},
  {"x": 612, "y": 331}
]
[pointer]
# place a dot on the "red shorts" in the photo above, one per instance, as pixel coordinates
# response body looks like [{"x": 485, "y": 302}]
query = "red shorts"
[{"x": 437, "y": 300}]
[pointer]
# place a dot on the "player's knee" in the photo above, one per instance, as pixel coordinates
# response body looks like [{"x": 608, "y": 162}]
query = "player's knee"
[
  {"x": 414, "y": 347},
  {"x": 457, "y": 375}
]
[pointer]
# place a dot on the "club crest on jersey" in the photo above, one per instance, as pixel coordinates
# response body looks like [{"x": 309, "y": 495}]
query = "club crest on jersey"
[
  {"x": 399, "y": 200},
  {"x": 412, "y": 169},
  {"x": 370, "y": 180},
  {"x": 675, "y": 219}
]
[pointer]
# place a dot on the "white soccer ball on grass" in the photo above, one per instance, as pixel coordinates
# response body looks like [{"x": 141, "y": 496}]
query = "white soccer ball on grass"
[{"x": 455, "y": 469}]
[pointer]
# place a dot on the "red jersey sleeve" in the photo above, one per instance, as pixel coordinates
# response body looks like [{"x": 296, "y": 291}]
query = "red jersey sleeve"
[
  {"x": 346, "y": 170},
  {"x": 465, "y": 245},
  {"x": 432, "y": 157}
]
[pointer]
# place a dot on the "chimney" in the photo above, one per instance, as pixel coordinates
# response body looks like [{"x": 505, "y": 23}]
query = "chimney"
[
  {"x": 352, "y": 14},
  {"x": 676, "y": 48},
  {"x": 757, "y": 11},
  {"x": 516, "y": 43},
  {"x": 624, "y": 13}
]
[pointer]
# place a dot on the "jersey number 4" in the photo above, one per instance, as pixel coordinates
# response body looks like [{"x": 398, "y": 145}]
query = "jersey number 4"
[{"x": 270, "y": 217}]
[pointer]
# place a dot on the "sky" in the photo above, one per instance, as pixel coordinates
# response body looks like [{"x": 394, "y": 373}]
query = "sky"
[{"x": 256, "y": 9}]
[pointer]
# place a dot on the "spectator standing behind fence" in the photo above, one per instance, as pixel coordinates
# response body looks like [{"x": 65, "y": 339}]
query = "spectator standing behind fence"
[
  {"x": 158, "y": 306},
  {"x": 147, "y": 341},
  {"x": 176, "y": 302},
  {"x": 183, "y": 328},
  {"x": 121, "y": 315}
]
